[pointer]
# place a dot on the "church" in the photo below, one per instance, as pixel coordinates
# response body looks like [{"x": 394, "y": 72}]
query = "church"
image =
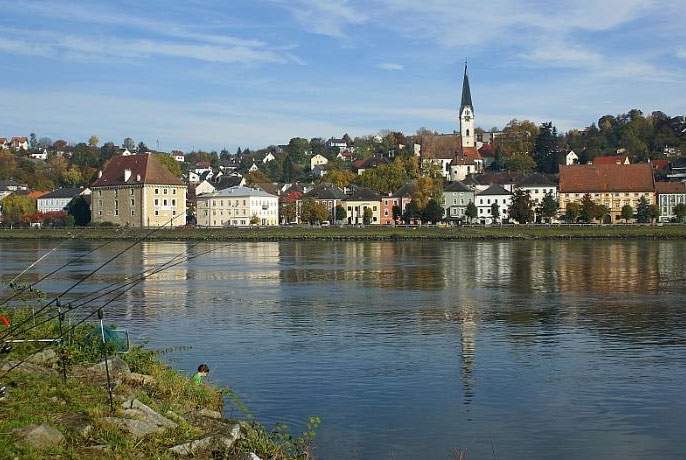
[{"x": 456, "y": 154}]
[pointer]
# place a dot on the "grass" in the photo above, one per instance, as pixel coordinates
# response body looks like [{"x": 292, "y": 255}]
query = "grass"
[
  {"x": 517, "y": 232},
  {"x": 46, "y": 399}
]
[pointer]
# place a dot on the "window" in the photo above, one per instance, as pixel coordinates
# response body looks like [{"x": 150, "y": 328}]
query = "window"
[
  {"x": 116, "y": 203},
  {"x": 133, "y": 203},
  {"x": 157, "y": 191},
  {"x": 165, "y": 191},
  {"x": 466, "y": 118},
  {"x": 116, "y": 212},
  {"x": 157, "y": 213},
  {"x": 115, "y": 192},
  {"x": 100, "y": 213},
  {"x": 157, "y": 202},
  {"x": 99, "y": 192},
  {"x": 131, "y": 191},
  {"x": 100, "y": 203},
  {"x": 164, "y": 202},
  {"x": 174, "y": 192},
  {"x": 133, "y": 213},
  {"x": 173, "y": 202}
]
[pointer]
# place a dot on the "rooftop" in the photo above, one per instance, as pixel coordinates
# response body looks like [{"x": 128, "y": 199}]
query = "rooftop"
[
  {"x": 606, "y": 178},
  {"x": 495, "y": 189},
  {"x": 144, "y": 169},
  {"x": 63, "y": 193},
  {"x": 239, "y": 190},
  {"x": 364, "y": 194}
]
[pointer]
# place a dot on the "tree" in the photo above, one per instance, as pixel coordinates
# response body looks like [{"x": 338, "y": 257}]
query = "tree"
[
  {"x": 433, "y": 212},
  {"x": 107, "y": 151},
  {"x": 142, "y": 148},
  {"x": 44, "y": 142},
  {"x": 93, "y": 141},
  {"x": 518, "y": 137},
  {"x": 80, "y": 210},
  {"x": 643, "y": 211},
  {"x": 587, "y": 209},
  {"x": 495, "y": 211},
  {"x": 313, "y": 212},
  {"x": 256, "y": 177},
  {"x": 412, "y": 212},
  {"x": 254, "y": 220},
  {"x": 339, "y": 177},
  {"x": 16, "y": 206},
  {"x": 601, "y": 212},
  {"x": 627, "y": 213},
  {"x": 8, "y": 165},
  {"x": 573, "y": 212},
  {"x": 341, "y": 213},
  {"x": 680, "y": 212},
  {"x": 33, "y": 141},
  {"x": 654, "y": 212},
  {"x": 60, "y": 145},
  {"x": 471, "y": 212},
  {"x": 367, "y": 216},
  {"x": 548, "y": 208},
  {"x": 129, "y": 144},
  {"x": 397, "y": 213},
  {"x": 545, "y": 150},
  {"x": 426, "y": 189},
  {"x": 288, "y": 213},
  {"x": 521, "y": 207},
  {"x": 170, "y": 163},
  {"x": 71, "y": 177},
  {"x": 519, "y": 162}
]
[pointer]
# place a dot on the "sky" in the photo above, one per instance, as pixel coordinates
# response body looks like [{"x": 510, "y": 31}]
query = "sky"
[{"x": 214, "y": 74}]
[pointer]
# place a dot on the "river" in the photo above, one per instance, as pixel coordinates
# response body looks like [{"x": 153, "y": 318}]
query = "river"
[{"x": 412, "y": 350}]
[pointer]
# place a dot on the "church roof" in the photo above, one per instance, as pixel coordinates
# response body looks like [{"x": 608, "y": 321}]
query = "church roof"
[{"x": 466, "y": 93}]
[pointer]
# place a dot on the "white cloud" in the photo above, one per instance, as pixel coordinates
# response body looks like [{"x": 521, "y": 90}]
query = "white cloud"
[
  {"x": 391, "y": 66},
  {"x": 324, "y": 17},
  {"x": 681, "y": 54}
]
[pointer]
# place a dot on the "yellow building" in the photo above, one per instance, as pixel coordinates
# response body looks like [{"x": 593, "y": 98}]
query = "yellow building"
[
  {"x": 360, "y": 200},
  {"x": 138, "y": 191},
  {"x": 611, "y": 185}
]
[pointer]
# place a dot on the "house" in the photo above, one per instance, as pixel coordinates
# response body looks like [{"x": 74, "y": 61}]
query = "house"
[
  {"x": 268, "y": 187},
  {"x": 660, "y": 166},
  {"x": 138, "y": 191},
  {"x": 357, "y": 204},
  {"x": 678, "y": 169},
  {"x": 612, "y": 160},
  {"x": 467, "y": 162},
  {"x": 232, "y": 180},
  {"x": 481, "y": 182},
  {"x": 237, "y": 207},
  {"x": 268, "y": 157},
  {"x": 345, "y": 155},
  {"x": 440, "y": 150},
  {"x": 318, "y": 172},
  {"x": 253, "y": 168},
  {"x": 326, "y": 194},
  {"x": 4, "y": 144},
  {"x": 456, "y": 198},
  {"x": 538, "y": 185},
  {"x": 668, "y": 195},
  {"x": 39, "y": 154},
  {"x": 362, "y": 165},
  {"x": 487, "y": 152},
  {"x": 340, "y": 144},
  {"x": 288, "y": 199},
  {"x": 318, "y": 160},
  {"x": 178, "y": 156},
  {"x": 58, "y": 200},
  {"x": 569, "y": 158},
  {"x": 611, "y": 185},
  {"x": 19, "y": 143},
  {"x": 484, "y": 200},
  {"x": 203, "y": 187},
  {"x": 387, "y": 205}
]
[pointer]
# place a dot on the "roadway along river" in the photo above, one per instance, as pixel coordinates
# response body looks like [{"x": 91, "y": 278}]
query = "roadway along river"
[{"x": 410, "y": 350}]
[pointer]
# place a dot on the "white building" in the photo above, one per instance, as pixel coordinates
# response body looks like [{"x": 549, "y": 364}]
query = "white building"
[
  {"x": 178, "y": 156},
  {"x": 267, "y": 158},
  {"x": 318, "y": 160},
  {"x": 41, "y": 154},
  {"x": 58, "y": 200},
  {"x": 571, "y": 158},
  {"x": 538, "y": 186},
  {"x": 495, "y": 194},
  {"x": 237, "y": 207},
  {"x": 20, "y": 143},
  {"x": 669, "y": 194}
]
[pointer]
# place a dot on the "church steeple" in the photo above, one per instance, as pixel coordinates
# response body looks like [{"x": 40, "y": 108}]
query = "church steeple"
[
  {"x": 466, "y": 93},
  {"x": 467, "y": 113}
]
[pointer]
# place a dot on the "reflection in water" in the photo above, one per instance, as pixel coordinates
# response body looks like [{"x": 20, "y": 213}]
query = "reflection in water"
[{"x": 580, "y": 343}]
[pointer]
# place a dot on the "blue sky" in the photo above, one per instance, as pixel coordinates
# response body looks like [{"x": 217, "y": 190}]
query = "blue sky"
[{"x": 212, "y": 74}]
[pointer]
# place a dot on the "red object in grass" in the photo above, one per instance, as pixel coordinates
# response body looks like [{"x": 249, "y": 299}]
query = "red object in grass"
[{"x": 5, "y": 320}]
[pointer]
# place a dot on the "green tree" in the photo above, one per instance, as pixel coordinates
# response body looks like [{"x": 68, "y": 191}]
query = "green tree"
[
  {"x": 412, "y": 212},
  {"x": 313, "y": 212},
  {"x": 16, "y": 206},
  {"x": 433, "y": 212},
  {"x": 521, "y": 207},
  {"x": 549, "y": 206},
  {"x": 170, "y": 163},
  {"x": 627, "y": 213},
  {"x": 471, "y": 212},
  {"x": 643, "y": 211},
  {"x": 33, "y": 140},
  {"x": 655, "y": 212},
  {"x": 367, "y": 216},
  {"x": 80, "y": 210},
  {"x": 397, "y": 213},
  {"x": 520, "y": 162},
  {"x": 601, "y": 212},
  {"x": 341, "y": 213},
  {"x": 680, "y": 212},
  {"x": 338, "y": 177},
  {"x": 545, "y": 150},
  {"x": 129, "y": 144},
  {"x": 71, "y": 177},
  {"x": 93, "y": 141},
  {"x": 495, "y": 212},
  {"x": 519, "y": 137},
  {"x": 573, "y": 212},
  {"x": 288, "y": 213},
  {"x": 587, "y": 209}
]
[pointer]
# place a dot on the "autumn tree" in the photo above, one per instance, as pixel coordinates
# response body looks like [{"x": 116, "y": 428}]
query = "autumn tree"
[
  {"x": 587, "y": 209},
  {"x": 680, "y": 212},
  {"x": 518, "y": 137},
  {"x": 520, "y": 163},
  {"x": 338, "y": 177},
  {"x": 313, "y": 212},
  {"x": 16, "y": 206},
  {"x": 93, "y": 141},
  {"x": 170, "y": 163},
  {"x": 521, "y": 207},
  {"x": 471, "y": 212},
  {"x": 627, "y": 212},
  {"x": 573, "y": 212}
]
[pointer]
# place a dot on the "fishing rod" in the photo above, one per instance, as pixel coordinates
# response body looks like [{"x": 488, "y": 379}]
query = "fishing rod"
[
  {"x": 73, "y": 286},
  {"x": 152, "y": 270},
  {"x": 31, "y": 286},
  {"x": 84, "y": 319},
  {"x": 10, "y": 284}
]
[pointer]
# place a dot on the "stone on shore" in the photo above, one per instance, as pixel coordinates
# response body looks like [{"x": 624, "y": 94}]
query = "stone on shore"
[
  {"x": 27, "y": 367},
  {"x": 78, "y": 423},
  {"x": 139, "y": 379},
  {"x": 209, "y": 413},
  {"x": 119, "y": 370},
  {"x": 225, "y": 441},
  {"x": 137, "y": 409},
  {"x": 47, "y": 357},
  {"x": 136, "y": 428},
  {"x": 40, "y": 435}
]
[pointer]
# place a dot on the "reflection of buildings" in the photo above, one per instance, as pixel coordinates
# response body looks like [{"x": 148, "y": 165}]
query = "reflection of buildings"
[{"x": 469, "y": 319}]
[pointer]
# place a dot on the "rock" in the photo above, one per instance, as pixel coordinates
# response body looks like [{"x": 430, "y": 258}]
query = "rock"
[
  {"x": 40, "y": 436},
  {"x": 137, "y": 409},
  {"x": 27, "y": 367},
  {"x": 175, "y": 416},
  {"x": 139, "y": 379},
  {"x": 119, "y": 370},
  {"x": 230, "y": 436},
  {"x": 47, "y": 357},
  {"x": 137, "y": 428},
  {"x": 208, "y": 413},
  {"x": 190, "y": 448},
  {"x": 248, "y": 456},
  {"x": 77, "y": 423}
]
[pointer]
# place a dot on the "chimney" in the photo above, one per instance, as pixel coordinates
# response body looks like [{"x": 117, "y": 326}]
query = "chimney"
[
  {"x": 127, "y": 175},
  {"x": 99, "y": 174},
  {"x": 138, "y": 177}
]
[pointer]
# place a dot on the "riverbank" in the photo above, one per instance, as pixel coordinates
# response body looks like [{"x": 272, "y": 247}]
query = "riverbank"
[
  {"x": 158, "y": 412},
  {"x": 517, "y": 232}
]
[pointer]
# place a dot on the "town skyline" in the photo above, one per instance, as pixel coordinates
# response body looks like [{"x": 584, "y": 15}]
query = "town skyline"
[{"x": 259, "y": 73}]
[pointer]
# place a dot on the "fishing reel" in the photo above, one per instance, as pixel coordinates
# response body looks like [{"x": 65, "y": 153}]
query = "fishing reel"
[{"x": 3, "y": 391}]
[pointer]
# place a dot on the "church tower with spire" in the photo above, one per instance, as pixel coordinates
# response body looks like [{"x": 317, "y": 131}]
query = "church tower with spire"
[{"x": 467, "y": 114}]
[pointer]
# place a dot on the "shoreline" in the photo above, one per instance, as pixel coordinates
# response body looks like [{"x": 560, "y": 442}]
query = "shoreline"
[{"x": 410, "y": 233}]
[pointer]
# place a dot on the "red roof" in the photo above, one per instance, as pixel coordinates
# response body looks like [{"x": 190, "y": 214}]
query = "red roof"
[
  {"x": 19, "y": 139},
  {"x": 291, "y": 196},
  {"x": 38, "y": 193},
  {"x": 358, "y": 163},
  {"x": 606, "y": 178},
  {"x": 487, "y": 150},
  {"x": 660, "y": 165},
  {"x": 664, "y": 188},
  {"x": 610, "y": 160},
  {"x": 145, "y": 169}
]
